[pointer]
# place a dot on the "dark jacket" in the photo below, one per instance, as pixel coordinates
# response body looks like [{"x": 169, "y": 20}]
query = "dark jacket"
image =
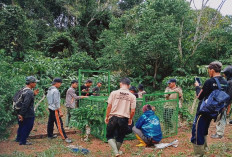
[
  {"x": 229, "y": 89},
  {"x": 27, "y": 109}
]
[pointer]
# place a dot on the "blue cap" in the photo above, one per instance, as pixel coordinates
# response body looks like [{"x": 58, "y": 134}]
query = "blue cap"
[
  {"x": 171, "y": 80},
  {"x": 57, "y": 80}
]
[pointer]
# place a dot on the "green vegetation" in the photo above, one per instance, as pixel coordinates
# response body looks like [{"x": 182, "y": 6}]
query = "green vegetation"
[{"x": 149, "y": 42}]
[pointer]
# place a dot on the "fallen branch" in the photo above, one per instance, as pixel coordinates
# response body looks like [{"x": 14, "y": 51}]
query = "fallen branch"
[
  {"x": 36, "y": 106},
  {"x": 44, "y": 135}
]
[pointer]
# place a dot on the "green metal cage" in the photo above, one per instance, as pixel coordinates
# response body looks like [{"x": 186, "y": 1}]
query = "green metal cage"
[{"x": 166, "y": 110}]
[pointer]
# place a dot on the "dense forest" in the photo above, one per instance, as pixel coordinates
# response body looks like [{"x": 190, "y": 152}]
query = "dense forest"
[{"x": 148, "y": 41}]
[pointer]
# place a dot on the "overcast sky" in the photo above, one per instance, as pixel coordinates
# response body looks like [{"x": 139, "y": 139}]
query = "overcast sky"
[{"x": 225, "y": 10}]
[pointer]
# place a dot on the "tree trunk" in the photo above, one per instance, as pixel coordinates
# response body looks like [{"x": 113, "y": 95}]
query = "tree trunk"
[
  {"x": 155, "y": 72},
  {"x": 180, "y": 40}
]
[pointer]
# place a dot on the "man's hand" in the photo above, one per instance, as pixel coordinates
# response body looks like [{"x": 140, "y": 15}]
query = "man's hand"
[
  {"x": 107, "y": 120},
  {"x": 60, "y": 113},
  {"x": 20, "y": 118},
  {"x": 84, "y": 97},
  {"x": 129, "y": 121},
  {"x": 153, "y": 108},
  {"x": 36, "y": 91},
  {"x": 167, "y": 96},
  {"x": 196, "y": 84}
]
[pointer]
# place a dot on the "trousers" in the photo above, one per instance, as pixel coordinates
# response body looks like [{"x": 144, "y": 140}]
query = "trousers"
[
  {"x": 24, "y": 129},
  {"x": 54, "y": 117}
]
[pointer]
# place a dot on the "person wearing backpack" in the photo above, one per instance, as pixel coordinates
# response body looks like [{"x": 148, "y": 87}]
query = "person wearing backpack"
[
  {"x": 26, "y": 113},
  {"x": 221, "y": 124},
  {"x": 202, "y": 121},
  {"x": 55, "y": 114}
]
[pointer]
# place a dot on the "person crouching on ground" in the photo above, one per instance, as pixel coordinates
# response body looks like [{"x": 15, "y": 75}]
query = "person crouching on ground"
[
  {"x": 55, "y": 114},
  {"x": 147, "y": 129}
]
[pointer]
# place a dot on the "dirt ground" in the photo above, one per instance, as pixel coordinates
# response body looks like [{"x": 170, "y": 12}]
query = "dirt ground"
[{"x": 97, "y": 148}]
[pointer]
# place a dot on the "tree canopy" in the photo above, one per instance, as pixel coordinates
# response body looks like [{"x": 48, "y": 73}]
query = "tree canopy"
[{"x": 146, "y": 40}]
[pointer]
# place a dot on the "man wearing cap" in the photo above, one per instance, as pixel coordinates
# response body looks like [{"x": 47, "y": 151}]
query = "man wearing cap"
[
  {"x": 96, "y": 90},
  {"x": 133, "y": 90},
  {"x": 55, "y": 114},
  {"x": 26, "y": 115},
  {"x": 119, "y": 114},
  {"x": 202, "y": 122},
  {"x": 170, "y": 106},
  {"x": 141, "y": 91},
  {"x": 70, "y": 100},
  {"x": 221, "y": 124}
]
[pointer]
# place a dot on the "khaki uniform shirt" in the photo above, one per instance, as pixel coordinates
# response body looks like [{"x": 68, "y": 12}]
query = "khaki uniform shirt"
[
  {"x": 122, "y": 101},
  {"x": 173, "y": 96}
]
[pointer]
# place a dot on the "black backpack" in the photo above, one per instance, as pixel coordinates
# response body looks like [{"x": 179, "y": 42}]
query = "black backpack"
[{"x": 18, "y": 98}]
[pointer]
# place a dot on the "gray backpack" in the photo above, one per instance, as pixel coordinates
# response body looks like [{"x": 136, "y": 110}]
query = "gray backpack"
[{"x": 18, "y": 98}]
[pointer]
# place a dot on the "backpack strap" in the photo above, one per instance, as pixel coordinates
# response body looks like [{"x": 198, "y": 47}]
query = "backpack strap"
[{"x": 218, "y": 83}]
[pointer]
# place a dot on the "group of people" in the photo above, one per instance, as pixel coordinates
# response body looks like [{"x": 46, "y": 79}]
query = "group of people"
[
  {"x": 121, "y": 109},
  {"x": 138, "y": 93},
  {"x": 120, "y": 112},
  {"x": 85, "y": 89},
  {"x": 26, "y": 115}
]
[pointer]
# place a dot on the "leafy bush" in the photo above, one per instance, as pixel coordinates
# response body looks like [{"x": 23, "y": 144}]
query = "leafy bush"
[
  {"x": 89, "y": 115},
  {"x": 10, "y": 83},
  {"x": 60, "y": 45},
  {"x": 16, "y": 34}
]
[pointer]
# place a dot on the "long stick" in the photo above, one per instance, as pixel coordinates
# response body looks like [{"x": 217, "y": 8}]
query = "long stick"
[
  {"x": 36, "y": 106},
  {"x": 194, "y": 104}
]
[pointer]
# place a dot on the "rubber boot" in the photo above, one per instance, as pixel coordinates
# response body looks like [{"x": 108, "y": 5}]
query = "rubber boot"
[
  {"x": 113, "y": 145},
  {"x": 142, "y": 143},
  {"x": 199, "y": 150},
  {"x": 118, "y": 146},
  {"x": 206, "y": 144}
]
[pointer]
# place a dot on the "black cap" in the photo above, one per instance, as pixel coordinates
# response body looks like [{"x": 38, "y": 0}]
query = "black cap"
[
  {"x": 74, "y": 81},
  {"x": 228, "y": 71},
  {"x": 133, "y": 88},
  {"x": 171, "y": 80},
  {"x": 57, "y": 80},
  {"x": 140, "y": 87}
]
